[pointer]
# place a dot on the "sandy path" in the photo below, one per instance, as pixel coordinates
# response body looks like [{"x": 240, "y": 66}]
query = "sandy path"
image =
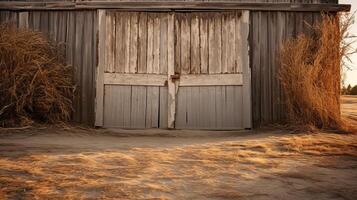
[{"x": 54, "y": 163}]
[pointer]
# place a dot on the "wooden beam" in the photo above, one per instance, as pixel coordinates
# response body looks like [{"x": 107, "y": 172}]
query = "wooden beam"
[
  {"x": 172, "y": 86},
  {"x": 184, "y": 80},
  {"x": 23, "y": 20},
  {"x": 173, "y": 6},
  {"x": 135, "y": 79},
  {"x": 99, "y": 102},
  {"x": 247, "y": 99},
  {"x": 211, "y": 80}
]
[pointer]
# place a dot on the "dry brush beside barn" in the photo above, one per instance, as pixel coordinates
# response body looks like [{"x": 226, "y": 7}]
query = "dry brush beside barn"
[{"x": 173, "y": 64}]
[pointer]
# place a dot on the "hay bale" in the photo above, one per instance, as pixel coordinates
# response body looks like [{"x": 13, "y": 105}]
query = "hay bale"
[
  {"x": 310, "y": 74},
  {"x": 36, "y": 85}
]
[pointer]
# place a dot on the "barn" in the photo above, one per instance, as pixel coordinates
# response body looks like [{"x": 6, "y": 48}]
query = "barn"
[{"x": 173, "y": 64}]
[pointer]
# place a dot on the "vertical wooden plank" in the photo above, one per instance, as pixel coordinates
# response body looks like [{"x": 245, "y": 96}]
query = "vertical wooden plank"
[
  {"x": 156, "y": 45},
  {"x": 143, "y": 33},
  {"x": 204, "y": 44},
  {"x": 78, "y": 62},
  {"x": 163, "y": 42},
  {"x": 44, "y": 22},
  {"x": 192, "y": 94},
  {"x": 279, "y": 40},
  {"x": 193, "y": 107},
  {"x": 195, "y": 45},
  {"x": 110, "y": 26},
  {"x": 172, "y": 87},
  {"x": 225, "y": 42},
  {"x": 215, "y": 52},
  {"x": 150, "y": 50},
  {"x": 152, "y": 108},
  {"x": 212, "y": 115},
  {"x": 133, "y": 42},
  {"x": 185, "y": 44},
  {"x": 239, "y": 42},
  {"x": 163, "y": 107},
  {"x": 36, "y": 20},
  {"x": 113, "y": 107},
  {"x": 273, "y": 55},
  {"x": 126, "y": 18},
  {"x": 100, "y": 68},
  {"x": 119, "y": 44},
  {"x": 255, "y": 41},
  {"x": 23, "y": 20},
  {"x": 203, "y": 103},
  {"x": 53, "y": 25},
  {"x": 126, "y": 105},
  {"x": 120, "y": 106},
  {"x": 177, "y": 42},
  {"x": 93, "y": 65},
  {"x": 247, "y": 100},
  {"x": 109, "y": 107},
  {"x": 70, "y": 38},
  {"x": 138, "y": 107},
  {"x": 219, "y": 107},
  {"x": 86, "y": 63},
  {"x": 238, "y": 110},
  {"x": 181, "y": 108},
  {"x": 62, "y": 27},
  {"x": 229, "y": 107},
  {"x": 231, "y": 46}
]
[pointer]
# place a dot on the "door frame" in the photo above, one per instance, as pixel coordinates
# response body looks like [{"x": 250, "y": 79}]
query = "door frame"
[{"x": 171, "y": 80}]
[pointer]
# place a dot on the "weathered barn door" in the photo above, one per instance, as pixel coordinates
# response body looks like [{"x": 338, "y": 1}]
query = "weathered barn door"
[
  {"x": 133, "y": 65},
  {"x": 211, "y": 57},
  {"x": 175, "y": 70}
]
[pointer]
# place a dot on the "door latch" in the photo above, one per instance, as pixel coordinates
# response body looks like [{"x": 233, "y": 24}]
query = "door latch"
[{"x": 175, "y": 77}]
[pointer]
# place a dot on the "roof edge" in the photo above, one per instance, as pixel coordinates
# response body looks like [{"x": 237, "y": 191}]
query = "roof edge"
[{"x": 174, "y": 6}]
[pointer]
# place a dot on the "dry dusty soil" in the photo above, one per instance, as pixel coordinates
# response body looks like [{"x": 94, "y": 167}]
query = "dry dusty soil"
[{"x": 77, "y": 163}]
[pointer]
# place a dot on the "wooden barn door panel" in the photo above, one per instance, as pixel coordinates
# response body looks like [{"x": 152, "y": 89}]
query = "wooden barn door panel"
[
  {"x": 212, "y": 70},
  {"x": 173, "y": 70},
  {"x": 132, "y": 69}
]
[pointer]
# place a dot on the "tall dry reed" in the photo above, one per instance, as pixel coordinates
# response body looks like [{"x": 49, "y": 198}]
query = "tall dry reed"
[
  {"x": 310, "y": 73},
  {"x": 35, "y": 83}
]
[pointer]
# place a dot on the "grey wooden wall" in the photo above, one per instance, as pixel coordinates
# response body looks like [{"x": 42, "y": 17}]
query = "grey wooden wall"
[
  {"x": 76, "y": 30},
  {"x": 268, "y": 31}
]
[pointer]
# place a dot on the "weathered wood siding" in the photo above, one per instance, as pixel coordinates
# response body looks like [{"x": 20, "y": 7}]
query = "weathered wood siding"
[
  {"x": 136, "y": 42},
  {"x": 210, "y": 107},
  {"x": 208, "y": 43},
  {"x": 76, "y": 30},
  {"x": 268, "y": 31},
  {"x": 135, "y": 106},
  {"x": 136, "y": 45}
]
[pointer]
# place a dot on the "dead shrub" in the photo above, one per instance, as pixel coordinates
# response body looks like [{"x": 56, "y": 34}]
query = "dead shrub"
[
  {"x": 310, "y": 74},
  {"x": 36, "y": 85}
]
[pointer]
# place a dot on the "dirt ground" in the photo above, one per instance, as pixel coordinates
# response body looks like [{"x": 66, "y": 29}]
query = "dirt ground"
[{"x": 78, "y": 163}]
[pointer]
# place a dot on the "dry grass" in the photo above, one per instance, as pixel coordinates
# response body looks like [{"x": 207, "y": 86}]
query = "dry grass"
[
  {"x": 310, "y": 74},
  {"x": 227, "y": 170},
  {"x": 35, "y": 84}
]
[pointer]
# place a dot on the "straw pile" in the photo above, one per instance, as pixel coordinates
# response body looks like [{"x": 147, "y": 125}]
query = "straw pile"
[
  {"x": 310, "y": 74},
  {"x": 35, "y": 84}
]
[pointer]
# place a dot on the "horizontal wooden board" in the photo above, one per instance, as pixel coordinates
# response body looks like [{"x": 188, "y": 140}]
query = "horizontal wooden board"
[
  {"x": 135, "y": 79},
  {"x": 184, "y": 80},
  {"x": 210, "y": 80},
  {"x": 173, "y": 5}
]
